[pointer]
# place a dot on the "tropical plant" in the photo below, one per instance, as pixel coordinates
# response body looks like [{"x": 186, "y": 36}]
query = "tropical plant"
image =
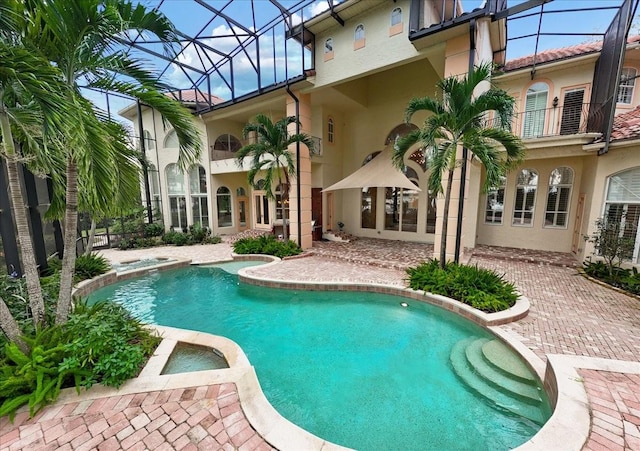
[
  {"x": 270, "y": 156},
  {"x": 458, "y": 120},
  {"x": 611, "y": 243},
  {"x": 480, "y": 288},
  {"x": 266, "y": 244},
  {"x": 47, "y": 50}
]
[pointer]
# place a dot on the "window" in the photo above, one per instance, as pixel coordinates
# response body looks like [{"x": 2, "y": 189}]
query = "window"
[
  {"x": 328, "y": 46},
  {"x": 572, "y": 111},
  {"x": 279, "y": 205},
  {"x": 396, "y": 16},
  {"x": 526, "y": 187},
  {"x": 368, "y": 210},
  {"x": 149, "y": 142},
  {"x": 359, "y": 33},
  {"x": 227, "y": 143},
  {"x": 154, "y": 186},
  {"x": 223, "y": 199},
  {"x": 171, "y": 141},
  {"x": 495, "y": 203},
  {"x": 177, "y": 199},
  {"x": 627, "y": 83},
  {"x": 198, "y": 187},
  {"x": 330, "y": 130},
  {"x": 240, "y": 192},
  {"x": 431, "y": 212},
  {"x": 534, "y": 110},
  {"x": 558, "y": 197},
  {"x": 622, "y": 205},
  {"x": 401, "y": 206}
]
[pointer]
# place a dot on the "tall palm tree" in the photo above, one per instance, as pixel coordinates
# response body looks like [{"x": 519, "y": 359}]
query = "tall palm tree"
[
  {"x": 83, "y": 40},
  {"x": 456, "y": 120},
  {"x": 32, "y": 108},
  {"x": 270, "y": 154}
]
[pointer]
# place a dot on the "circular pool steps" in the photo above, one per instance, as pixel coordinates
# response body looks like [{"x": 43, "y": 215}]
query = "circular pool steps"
[{"x": 490, "y": 369}]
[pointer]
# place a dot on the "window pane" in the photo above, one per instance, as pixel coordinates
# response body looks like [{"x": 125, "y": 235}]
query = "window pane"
[
  {"x": 625, "y": 186},
  {"x": 392, "y": 209},
  {"x": 368, "y": 211},
  {"x": 409, "y": 210},
  {"x": 223, "y": 198},
  {"x": 175, "y": 179},
  {"x": 431, "y": 213}
]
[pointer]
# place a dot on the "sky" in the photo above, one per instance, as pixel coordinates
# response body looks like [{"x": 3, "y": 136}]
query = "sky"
[{"x": 280, "y": 59}]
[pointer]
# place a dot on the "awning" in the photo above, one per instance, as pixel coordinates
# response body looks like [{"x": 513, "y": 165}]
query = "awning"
[{"x": 379, "y": 172}]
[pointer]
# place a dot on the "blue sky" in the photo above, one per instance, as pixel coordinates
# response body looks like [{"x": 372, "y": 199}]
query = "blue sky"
[{"x": 192, "y": 18}]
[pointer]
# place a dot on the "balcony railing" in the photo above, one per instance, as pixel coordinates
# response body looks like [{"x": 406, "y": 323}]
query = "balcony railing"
[{"x": 556, "y": 121}]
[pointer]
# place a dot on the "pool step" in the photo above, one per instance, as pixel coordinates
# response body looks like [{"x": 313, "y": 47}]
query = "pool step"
[
  {"x": 505, "y": 392},
  {"x": 501, "y": 358}
]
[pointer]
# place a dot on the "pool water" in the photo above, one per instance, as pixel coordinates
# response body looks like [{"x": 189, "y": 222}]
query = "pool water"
[
  {"x": 188, "y": 357},
  {"x": 357, "y": 369}
]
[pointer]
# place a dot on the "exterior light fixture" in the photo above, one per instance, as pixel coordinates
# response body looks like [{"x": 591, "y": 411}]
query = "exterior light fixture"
[{"x": 404, "y": 304}]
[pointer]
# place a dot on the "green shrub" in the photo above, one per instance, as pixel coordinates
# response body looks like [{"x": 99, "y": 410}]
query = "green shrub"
[
  {"x": 266, "y": 244},
  {"x": 480, "y": 288},
  {"x": 214, "y": 239},
  {"x": 616, "y": 276},
  {"x": 153, "y": 230},
  {"x": 90, "y": 266},
  {"x": 99, "y": 344},
  {"x": 170, "y": 237}
]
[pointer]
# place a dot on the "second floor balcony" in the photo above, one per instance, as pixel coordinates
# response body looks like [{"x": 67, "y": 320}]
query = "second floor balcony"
[{"x": 557, "y": 121}]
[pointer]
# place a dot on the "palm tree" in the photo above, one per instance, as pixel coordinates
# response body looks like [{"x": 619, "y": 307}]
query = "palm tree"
[
  {"x": 270, "y": 154},
  {"x": 83, "y": 40},
  {"x": 32, "y": 108},
  {"x": 458, "y": 119}
]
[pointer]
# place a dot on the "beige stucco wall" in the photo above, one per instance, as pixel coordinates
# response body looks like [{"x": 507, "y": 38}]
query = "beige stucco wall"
[
  {"x": 380, "y": 49},
  {"x": 537, "y": 235}
]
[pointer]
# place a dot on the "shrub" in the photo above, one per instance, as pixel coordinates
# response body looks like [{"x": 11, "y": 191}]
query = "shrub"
[
  {"x": 623, "y": 278},
  {"x": 266, "y": 244},
  {"x": 99, "y": 344},
  {"x": 612, "y": 243},
  {"x": 153, "y": 230},
  {"x": 90, "y": 266},
  {"x": 480, "y": 288},
  {"x": 170, "y": 237}
]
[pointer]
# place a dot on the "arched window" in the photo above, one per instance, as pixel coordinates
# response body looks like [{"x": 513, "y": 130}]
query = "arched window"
[
  {"x": 535, "y": 109},
  {"x": 622, "y": 205},
  {"x": 359, "y": 33},
  {"x": 526, "y": 188},
  {"x": 330, "y": 130},
  {"x": 171, "y": 141},
  {"x": 396, "y": 16},
  {"x": 240, "y": 192},
  {"x": 559, "y": 197},
  {"x": 261, "y": 204},
  {"x": 279, "y": 205},
  {"x": 398, "y": 132},
  {"x": 627, "y": 83},
  {"x": 198, "y": 188},
  {"x": 495, "y": 203},
  {"x": 227, "y": 143},
  {"x": 154, "y": 185},
  {"x": 401, "y": 206},
  {"x": 223, "y": 200},
  {"x": 149, "y": 142},
  {"x": 177, "y": 199}
]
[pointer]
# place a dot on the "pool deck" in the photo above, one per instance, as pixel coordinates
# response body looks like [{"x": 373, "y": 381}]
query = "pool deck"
[{"x": 590, "y": 332}]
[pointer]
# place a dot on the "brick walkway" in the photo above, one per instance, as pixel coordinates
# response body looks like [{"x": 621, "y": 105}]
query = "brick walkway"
[
  {"x": 569, "y": 315},
  {"x": 206, "y": 418},
  {"x": 615, "y": 409}
]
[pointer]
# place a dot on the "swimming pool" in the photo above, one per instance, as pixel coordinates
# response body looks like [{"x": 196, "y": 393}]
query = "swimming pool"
[{"x": 357, "y": 369}]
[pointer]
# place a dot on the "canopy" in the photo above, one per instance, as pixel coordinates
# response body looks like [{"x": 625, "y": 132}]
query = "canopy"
[{"x": 379, "y": 172}]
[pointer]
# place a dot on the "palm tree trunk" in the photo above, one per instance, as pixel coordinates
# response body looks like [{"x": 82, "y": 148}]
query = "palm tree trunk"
[
  {"x": 91, "y": 238},
  {"x": 283, "y": 196},
  {"x": 10, "y": 327},
  {"x": 69, "y": 258},
  {"x": 27, "y": 255},
  {"x": 445, "y": 220}
]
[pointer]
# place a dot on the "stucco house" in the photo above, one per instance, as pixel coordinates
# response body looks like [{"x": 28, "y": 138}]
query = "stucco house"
[{"x": 366, "y": 67}]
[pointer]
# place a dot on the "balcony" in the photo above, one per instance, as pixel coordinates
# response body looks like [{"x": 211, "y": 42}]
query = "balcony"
[{"x": 557, "y": 121}]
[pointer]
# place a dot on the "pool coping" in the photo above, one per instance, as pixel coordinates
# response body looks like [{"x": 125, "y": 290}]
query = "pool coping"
[{"x": 570, "y": 422}]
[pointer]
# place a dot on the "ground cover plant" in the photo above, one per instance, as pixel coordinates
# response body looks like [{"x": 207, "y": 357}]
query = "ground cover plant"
[
  {"x": 480, "y": 288},
  {"x": 266, "y": 244},
  {"x": 102, "y": 343},
  {"x": 195, "y": 234},
  {"x": 87, "y": 266}
]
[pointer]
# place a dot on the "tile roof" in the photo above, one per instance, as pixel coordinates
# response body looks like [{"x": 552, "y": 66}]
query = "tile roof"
[
  {"x": 193, "y": 96},
  {"x": 626, "y": 125},
  {"x": 559, "y": 54}
]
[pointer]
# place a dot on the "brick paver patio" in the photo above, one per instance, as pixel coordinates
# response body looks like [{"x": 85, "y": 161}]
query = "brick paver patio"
[{"x": 569, "y": 315}]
